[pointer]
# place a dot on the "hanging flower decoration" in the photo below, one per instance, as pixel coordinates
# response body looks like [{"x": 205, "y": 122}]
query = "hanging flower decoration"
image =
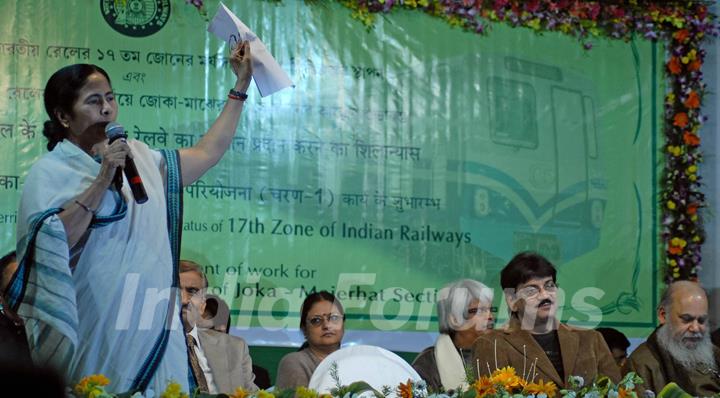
[
  {"x": 682, "y": 25},
  {"x": 682, "y": 230}
]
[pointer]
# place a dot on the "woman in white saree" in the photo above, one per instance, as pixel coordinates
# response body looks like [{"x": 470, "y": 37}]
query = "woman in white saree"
[{"x": 97, "y": 270}]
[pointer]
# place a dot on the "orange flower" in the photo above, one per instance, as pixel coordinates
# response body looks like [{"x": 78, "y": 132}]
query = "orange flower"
[
  {"x": 507, "y": 377},
  {"x": 681, "y": 35},
  {"x": 680, "y": 120},
  {"x": 694, "y": 65},
  {"x": 691, "y": 139},
  {"x": 693, "y": 100},
  {"x": 548, "y": 388},
  {"x": 483, "y": 387},
  {"x": 674, "y": 66},
  {"x": 623, "y": 393},
  {"x": 406, "y": 390},
  {"x": 677, "y": 245},
  {"x": 692, "y": 208},
  {"x": 89, "y": 383}
]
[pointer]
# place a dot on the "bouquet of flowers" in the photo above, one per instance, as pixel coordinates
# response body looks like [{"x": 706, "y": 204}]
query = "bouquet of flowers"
[{"x": 506, "y": 383}]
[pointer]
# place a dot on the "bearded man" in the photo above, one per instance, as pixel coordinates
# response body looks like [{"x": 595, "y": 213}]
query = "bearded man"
[{"x": 680, "y": 349}]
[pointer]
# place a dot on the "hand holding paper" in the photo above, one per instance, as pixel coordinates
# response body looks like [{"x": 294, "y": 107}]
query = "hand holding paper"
[
  {"x": 241, "y": 63},
  {"x": 267, "y": 73}
]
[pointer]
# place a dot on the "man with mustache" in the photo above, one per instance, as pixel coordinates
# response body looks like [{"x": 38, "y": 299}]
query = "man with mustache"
[
  {"x": 680, "y": 349},
  {"x": 534, "y": 342},
  {"x": 219, "y": 362}
]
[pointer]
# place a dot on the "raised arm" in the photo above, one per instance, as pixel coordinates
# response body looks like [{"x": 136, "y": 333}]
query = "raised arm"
[{"x": 198, "y": 159}]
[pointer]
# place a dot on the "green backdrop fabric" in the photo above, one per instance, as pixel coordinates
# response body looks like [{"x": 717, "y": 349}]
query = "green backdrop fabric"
[{"x": 405, "y": 156}]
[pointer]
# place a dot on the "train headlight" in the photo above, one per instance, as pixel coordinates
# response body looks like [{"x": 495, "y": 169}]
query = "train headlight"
[{"x": 482, "y": 202}]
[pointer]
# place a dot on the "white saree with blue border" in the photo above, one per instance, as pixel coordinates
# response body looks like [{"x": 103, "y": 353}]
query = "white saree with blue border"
[{"x": 106, "y": 306}]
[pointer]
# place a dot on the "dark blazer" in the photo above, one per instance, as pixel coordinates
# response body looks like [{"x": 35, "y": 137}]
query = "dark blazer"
[
  {"x": 426, "y": 366},
  {"x": 584, "y": 353},
  {"x": 229, "y": 359}
]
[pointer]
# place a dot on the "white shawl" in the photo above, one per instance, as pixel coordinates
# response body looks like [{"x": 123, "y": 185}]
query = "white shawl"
[
  {"x": 449, "y": 364},
  {"x": 105, "y": 314}
]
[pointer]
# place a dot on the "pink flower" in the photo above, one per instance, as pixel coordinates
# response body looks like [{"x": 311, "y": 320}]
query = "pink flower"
[
  {"x": 532, "y": 5},
  {"x": 594, "y": 10},
  {"x": 500, "y": 4},
  {"x": 617, "y": 12},
  {"x": 196, "y": 3}
]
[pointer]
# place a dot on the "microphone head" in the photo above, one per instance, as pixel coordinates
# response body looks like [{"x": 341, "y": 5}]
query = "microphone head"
[{"x": 114, "y": 130}]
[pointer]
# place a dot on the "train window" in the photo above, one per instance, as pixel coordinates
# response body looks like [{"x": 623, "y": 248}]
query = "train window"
[
  {"x": 589, "y": 108},
  {"x": 533, "y": 69},
  {"x": 513, "y": 119}
]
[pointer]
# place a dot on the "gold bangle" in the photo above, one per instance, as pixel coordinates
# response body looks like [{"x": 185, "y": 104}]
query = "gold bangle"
[{"x": 85, "y": 207}]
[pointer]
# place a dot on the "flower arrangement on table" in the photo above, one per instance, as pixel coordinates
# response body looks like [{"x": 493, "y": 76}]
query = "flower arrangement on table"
[
  {"x": 506, "y": 383},
  {"x": 503, "y": 383}
]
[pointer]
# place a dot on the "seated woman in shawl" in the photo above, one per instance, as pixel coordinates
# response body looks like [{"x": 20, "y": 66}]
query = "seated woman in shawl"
[
  {"x": 97, "y": 270},
  {"x": 322, "y": 321},
  {"x": 464, "y": 313}
]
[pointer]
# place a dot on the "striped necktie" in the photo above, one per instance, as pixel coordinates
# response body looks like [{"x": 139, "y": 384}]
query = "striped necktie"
[{"x": 195, "y": 365}]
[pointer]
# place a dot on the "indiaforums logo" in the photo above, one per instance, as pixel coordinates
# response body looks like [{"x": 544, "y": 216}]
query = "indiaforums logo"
[{"x": 136, "y": 18}]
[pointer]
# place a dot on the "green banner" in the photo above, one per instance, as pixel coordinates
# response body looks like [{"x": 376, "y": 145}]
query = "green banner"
[{"x": 406, "y": 156}]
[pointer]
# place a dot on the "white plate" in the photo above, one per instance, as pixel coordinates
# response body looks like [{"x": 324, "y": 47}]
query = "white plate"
[{"x": 374, "y": 365}]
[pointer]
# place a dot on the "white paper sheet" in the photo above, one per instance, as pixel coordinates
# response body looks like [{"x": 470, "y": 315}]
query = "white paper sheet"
[{"x": 267, "y": 73}]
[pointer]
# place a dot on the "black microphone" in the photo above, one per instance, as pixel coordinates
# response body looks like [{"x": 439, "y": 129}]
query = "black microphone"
[{"x": 114, "y": 131}]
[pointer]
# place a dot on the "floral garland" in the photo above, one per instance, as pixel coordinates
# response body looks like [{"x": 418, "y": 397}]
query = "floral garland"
[{"x": 683, "y": 25}]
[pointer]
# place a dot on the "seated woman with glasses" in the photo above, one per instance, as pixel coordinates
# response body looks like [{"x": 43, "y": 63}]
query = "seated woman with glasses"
[
  {"x": 464, "y": 313},
  {"x": 322, "y": 321}
]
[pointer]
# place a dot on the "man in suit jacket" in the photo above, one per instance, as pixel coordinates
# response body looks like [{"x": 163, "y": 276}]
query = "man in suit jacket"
[
  {"x": 222, "y": 361},
  {"x": 534, "y": 342}
]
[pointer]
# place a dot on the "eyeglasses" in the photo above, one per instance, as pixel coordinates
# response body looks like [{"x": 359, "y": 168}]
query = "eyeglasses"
[
  {"x": 532, "y": 290},
  {"x": 480, "y": 310},
  {"x": 317, "y": 320}
]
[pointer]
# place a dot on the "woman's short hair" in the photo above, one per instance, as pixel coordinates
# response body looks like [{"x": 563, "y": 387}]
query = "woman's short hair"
[
  {"x": 61, "y": 92},
  {"x": 453, "y": 302},
  {"x": 316, "y": 297}
]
